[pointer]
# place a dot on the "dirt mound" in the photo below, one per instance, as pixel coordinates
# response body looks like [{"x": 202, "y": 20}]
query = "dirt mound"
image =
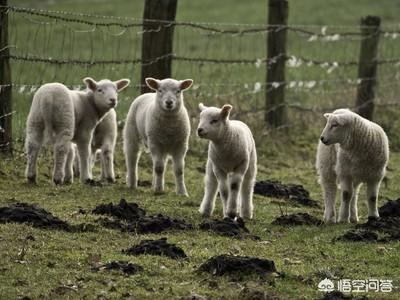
[
  {"x": 359, "y": 236},
  {"x": 124, "y": 266},
  {"x": 390, "y": 209},
  {"x": 130, "y": 217},
  {"x": 157, "y": 247},
  {"x": 335, "y": 295},
  {"x": 228, "y": 227},
  {"x": 293, "y": 192},
  {"x": 388, "y": 225},
  {"x": 237, "y": 265},
  {"x": 33, "y": 215},
  {"x": 297, "y": 219},
  {"x": 123, "y": 211}
]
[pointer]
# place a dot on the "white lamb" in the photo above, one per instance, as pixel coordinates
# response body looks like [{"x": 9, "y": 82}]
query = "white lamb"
[
  {"x": 160, "y": 121},
  {"x": 231, "y": 165},
  {"x": 352, "y": 150},
  {"x": 103, "y": 143},
  {"x": 61, "y": 116}
]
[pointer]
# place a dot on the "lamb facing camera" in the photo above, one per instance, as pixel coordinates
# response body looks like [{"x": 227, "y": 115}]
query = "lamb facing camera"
[
  {"x": 352, "y": 150},
  {"x": 160, "y": 122}
]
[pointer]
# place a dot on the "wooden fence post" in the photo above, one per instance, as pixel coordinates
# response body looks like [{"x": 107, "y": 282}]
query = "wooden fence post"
[
  {"x": 157, "y": 40},
  {"x": 367, "y": 66},
  {"x": 5, "y": 83},
  {"x": 275, "y": 114}
]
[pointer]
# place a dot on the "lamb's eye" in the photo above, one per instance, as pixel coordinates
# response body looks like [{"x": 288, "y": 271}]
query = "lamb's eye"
[
  {"x": 100, "y": 90},
  {"x": 160, "y": 91},
  {"x": 334, "y": 125},
  {"x": 215, "y": 121},
  {"x": 178, "y": 91}
]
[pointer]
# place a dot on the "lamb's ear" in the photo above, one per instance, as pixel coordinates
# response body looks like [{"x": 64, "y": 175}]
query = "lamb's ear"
[
  {"x": 90, "y": 83},
  {"x": 201, "y": 106},
  {"x": 152, "y": 83},
  {"x": 225, "y": 111},
  {"x": 327, "y": 115},
  {"x": 121, "y": 84},
  {"x": 185, "y": 84},
  {"x": 342, "y": 119}
]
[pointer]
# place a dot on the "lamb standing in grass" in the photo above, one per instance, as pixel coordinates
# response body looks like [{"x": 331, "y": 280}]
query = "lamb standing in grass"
[
  {"x": 103, "y": 143},
  {"x": 231, "y": 165},
  {"x": 352, "y": 150},
  {"x": 160, "y": 121},
  {"x": 61, "y": 116}
]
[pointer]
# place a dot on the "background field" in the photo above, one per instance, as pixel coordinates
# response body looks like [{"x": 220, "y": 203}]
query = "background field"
[{"x": 286, "y": 155}]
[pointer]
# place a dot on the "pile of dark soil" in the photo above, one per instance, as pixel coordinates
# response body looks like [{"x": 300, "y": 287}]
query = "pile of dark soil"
[
  {"x": 237, "y": 265},
  {"x": 359, "y": 236},
  {"x": 228, "y": 227},
  {"x": 390, "y": 209},
  {"x": 336, "y": 295},
  {"x": 388, "y": 225},
  {"x": 123, "y": 211},
  {"x": 157, "y": 247},
  {"x": 33, "y": 215},
  {"x": 130, "y": 217},
  {"x": 293, "y": 192},
  {"x": 297, "y": 219},
  {"x": 124, "y": 266}
]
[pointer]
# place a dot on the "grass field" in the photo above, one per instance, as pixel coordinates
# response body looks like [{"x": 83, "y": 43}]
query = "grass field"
[{"x": 304, "y": 255}]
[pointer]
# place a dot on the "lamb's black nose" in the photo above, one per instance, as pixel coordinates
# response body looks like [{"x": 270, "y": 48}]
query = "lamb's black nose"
[
  {"x": 200, "y": 131},
  {"x": 322, "y": 139},
  {"x": 168, "y": 102},
  {"x": 113, "y": 101}
]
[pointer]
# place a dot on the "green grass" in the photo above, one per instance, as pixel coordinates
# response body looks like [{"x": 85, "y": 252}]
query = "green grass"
[{"x": 57, "y": 258}]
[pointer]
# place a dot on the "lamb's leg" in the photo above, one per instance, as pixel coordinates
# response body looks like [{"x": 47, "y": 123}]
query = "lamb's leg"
[
  {"x": 62, "y": 147},
  {"x": 132, "y": 154},
  {"x": 329, "y": 188},
  {"x": 159, "y": 162},
  {"x": 76, "y": 162},
  {"x": 235, "y": 185},
  {"x": 107, "y": 163},
  {"x": 372, "y": 194},
  {"x": 84, "y": 155},
  {"x": 179, "y": 168},
  {"x": 246, "y": 196},
  {"x": 69, "y": 171},
  {"x": 33, "y": 144},
  {"x": 347, "y": 195},
  {"x": 210, "y": 191},
  {"x": 353, "y": 204}
]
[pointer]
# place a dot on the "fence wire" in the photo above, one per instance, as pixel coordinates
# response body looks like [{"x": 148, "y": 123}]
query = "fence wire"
[{"x": 227, "y": 62}]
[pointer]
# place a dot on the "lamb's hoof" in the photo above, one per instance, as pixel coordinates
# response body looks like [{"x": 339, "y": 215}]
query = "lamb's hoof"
[
  {"x": 31, "y": 179},
  {"x": 354, "y": 220},
  {"x": 110, "y": 180},
  {"x": 68, "y": 181},
  {"x": 373, "y": 218},
  {"x": 92, "y": 182},
  {"x": 185, "y": 194},
  {"x": 329, "y": 220},
  {"x": 57, "y": 181},
  {"x": 205, "y": 214},
  {"x": 159, "y": 193},
  {"x": 231, "y": 215},
  {"x": 344, "y": 221}
]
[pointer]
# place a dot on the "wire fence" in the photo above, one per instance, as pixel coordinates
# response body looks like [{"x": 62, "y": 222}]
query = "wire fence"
[{"x": 227, "y": 61}]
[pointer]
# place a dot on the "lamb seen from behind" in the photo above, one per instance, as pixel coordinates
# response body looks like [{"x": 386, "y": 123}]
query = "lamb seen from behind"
[
  {"x": 352, "y": 150},
  {"x": 60, "y": 116},
  {"x": 231, "y": 165},
  {"x": 160, "y": 121}
]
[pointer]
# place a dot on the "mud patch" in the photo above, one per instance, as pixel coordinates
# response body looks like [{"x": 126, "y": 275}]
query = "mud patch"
[
  {"x": 228, "y": 227},
  {"x": 237, "y": 265},
  {"x": 335, "y": 295},
  {"x": 130, "y": 217},
  {"x": 38, "y": 217},
  {"x": 389, "y": 226},
  {"x": 157, "y": 247},
  {"x": 124, "y": 210},
  {"x": 292, "y": 192},
  {"x": 390, "y": 209},
  {"x": 124, "y": 266},
  {"x": 296, "y": 219},
  {"x": 359, "y": 236}
]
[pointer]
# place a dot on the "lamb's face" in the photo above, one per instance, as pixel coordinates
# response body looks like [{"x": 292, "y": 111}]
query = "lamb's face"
[
  {"x": 213, "y": 120},
  {"x": 169, "y": 92},
  {"x": 105, "y": 92},
  {"x": 335, "y": 129}
]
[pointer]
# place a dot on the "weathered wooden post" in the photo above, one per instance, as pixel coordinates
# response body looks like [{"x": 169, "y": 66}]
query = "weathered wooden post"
[
  {"x": 367, "y": 65},
  {"x": 157, "y": 40},
  {"x": 5, "y": 83},
  {"x": 275, "y": 114}
]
